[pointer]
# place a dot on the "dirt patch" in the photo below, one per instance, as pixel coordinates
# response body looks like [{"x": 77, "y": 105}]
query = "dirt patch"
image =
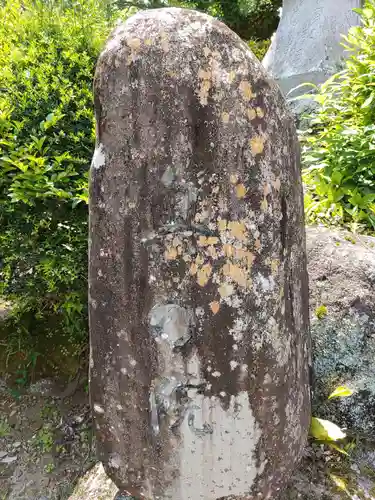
[{"x": 46, "y": 442}]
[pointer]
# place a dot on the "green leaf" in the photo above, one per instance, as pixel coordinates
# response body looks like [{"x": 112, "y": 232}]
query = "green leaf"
[
  {"x": 324, "y": 430},
  {"x": 341, "y": 392},
  {"x": 340, "y": 483}
]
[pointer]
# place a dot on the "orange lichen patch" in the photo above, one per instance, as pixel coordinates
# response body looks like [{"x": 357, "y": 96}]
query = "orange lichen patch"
[
  {"x": 233, "y": 178},
  {"x": 251, "y": 113},
  {"x": 266, "y": 189},
  {"x": 236, "y": 273},
  {"x": 222, "y": 224},
  {"x": 215, "y": 306},
  {"x": 193, "y": 269},
  {"x": 264, "y": 205},
  {"x": 237, "y": 230},
  {"x": 204, "y": 274},
  {"x": 225, "y": 117},
  {"x": 170, "y": 253},
  {"x": 246, "y": 90},
  {"x": 240, "y": 191},
  {"x": 226, "y": 290},
  {"x": 257, "y": 244},
  {"x": 277, "y": 184},
  {"x": 257, "y": 145},
  {"x": 260, "y": 112}
]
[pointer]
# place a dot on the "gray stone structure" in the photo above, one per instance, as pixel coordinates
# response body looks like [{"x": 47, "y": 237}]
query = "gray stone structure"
[
  {"x": 198, "y": 297},
  {"x": 306, "y": 47}
]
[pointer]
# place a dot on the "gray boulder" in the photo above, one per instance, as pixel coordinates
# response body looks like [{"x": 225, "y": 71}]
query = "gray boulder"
[
  {"x": 342, "y": 279},
  {"x": 307, "y": 45}
]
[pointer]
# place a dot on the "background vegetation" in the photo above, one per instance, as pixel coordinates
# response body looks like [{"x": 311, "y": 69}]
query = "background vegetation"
[
  {"x": 48, "y": 52},
  {"x": 339, "y": 145}
]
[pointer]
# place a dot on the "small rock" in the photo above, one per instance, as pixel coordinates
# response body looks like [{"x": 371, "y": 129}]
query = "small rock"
[
  {"x": 3, "y": 454},
  {"x": 17, "y": 444}
]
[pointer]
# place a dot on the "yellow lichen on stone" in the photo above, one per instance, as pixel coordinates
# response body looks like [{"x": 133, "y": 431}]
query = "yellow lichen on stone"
[
  {"x": 205, "y": 86},
  {"x": 231, "y": 76},
  {"x": 277, "y": 184},
  {"x": 206, "y": 51},
  {"x": 257, "y": 145},
  {"x": 237, "y": 230},
  {"x": 226, "y": 290},
  {"x": 228, "y": 250},
  {"x": 204, "y": 274},
  {"x": 251, "y": 113},
  {"x": 233, "y": 178},
  {"x": 148, "y": 42},
  {"x": 264, "y": 205},
  {"x": 215, "y": 306},
  {"x": 134, "y": 44},
  {"x": 244, "y": 255},
  {"x": 199, "y": 260},
  {"x": 246, "y": 90},
  {"x": 236, "y": 273},
  {"x": 240, "y": 191},
  {"x": 225, "y": 117},
  {"x": 193, "y": 269},
  {"x": 211, "y": 252},
  {"x": 205, "y": 241},
  {"x": 274, "y": 266},
  {"x": 222, "y": 224},
  {"x": 171, "y": 253},
  {"x": 164, "y": 42},
  {"x": 260, "y": 112}
]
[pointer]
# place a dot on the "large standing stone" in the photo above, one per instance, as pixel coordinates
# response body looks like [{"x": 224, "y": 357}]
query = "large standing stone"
[
  {"x": 198, "y": 286},
  {"x": 307, "y": 45}
]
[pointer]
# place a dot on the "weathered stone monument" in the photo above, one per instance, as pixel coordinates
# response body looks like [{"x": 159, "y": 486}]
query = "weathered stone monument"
[
  {"x": 199, "y": 366},
  {"x": 307, "y": 45}
]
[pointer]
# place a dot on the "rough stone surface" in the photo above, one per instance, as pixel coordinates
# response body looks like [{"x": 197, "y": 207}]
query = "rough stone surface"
[
  {"x": 94, "y": 485},
  {"x": 342, "y": 278},
  {"x": 198, "y": 287},
  {"x": 307, "y": 45}
]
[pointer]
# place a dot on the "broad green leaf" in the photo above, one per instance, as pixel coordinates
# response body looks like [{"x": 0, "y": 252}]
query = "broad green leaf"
[
  {"x": 324, "y": 430},
  {"x": 341, "y": 392}
]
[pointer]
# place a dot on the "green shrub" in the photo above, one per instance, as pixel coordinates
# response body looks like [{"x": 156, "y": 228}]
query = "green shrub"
[
  {"x": 339, "y": 147},
  {"x": 48, "y": 52},
  {"x": 259, "y": 47}
]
